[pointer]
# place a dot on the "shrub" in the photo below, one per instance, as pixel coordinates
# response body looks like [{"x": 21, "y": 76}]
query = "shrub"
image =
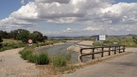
[
  {"x": 42, "y": 58},
  {"x": 59, "y": 61},
  {"x": 1, "y": 39},
  {"x": 32, "y": 58},
  {"x": 134, "y": 39},
  {"x": 25, "y": 53},
  {"x": 4, "y": 48},
  {"x": 96, "y": 44},
  {"x": 0, "y": 45},
  {"x": 11, "y": 45},
  {"x": 68, "y": 56},
  {"x": 63, "y": 41},
  {"x": 107, "y": 42}
]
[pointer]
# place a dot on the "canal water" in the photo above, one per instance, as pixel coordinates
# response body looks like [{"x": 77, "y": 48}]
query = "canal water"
[{"x": 62, "y": 49}]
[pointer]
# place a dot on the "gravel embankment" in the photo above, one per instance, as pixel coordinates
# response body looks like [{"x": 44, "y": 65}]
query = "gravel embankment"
[{"x": 11, "y": 65}]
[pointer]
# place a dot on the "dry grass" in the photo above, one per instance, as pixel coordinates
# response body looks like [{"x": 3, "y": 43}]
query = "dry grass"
[
  {"x": 67, "y": 69},
  {"x": 0, "y": 60},
  {"x": 46, "y": 68},
  {"x": 9, "y": 41}
]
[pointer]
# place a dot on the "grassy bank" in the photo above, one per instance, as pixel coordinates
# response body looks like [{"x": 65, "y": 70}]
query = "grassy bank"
[
  {"x": 28, "y": 54},
  {"x": 11, "y": 44},
  {"x": 128, "y": 42},
  {"x": 43, "y": 58}
]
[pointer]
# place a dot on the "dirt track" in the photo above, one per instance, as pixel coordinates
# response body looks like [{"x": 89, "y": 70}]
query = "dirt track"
[{"x": 11, "y": 65}]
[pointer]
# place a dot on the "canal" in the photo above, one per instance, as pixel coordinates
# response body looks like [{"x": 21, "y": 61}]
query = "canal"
[{"x": 62, "y": 49}]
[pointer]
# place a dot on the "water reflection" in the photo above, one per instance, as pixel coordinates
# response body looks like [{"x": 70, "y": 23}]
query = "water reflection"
[{"x": 62, "y": 49}]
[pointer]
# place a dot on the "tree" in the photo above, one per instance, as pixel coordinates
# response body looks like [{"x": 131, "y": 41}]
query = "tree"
[
  {"x": 23, "y": 36},
  {"x": 0, "y": 42},
  {"x": 37, "y": 36},
  {"x": 14, "y": 33},
  {"x": 134, "y": 39},
  {"x": 45, "y": 37},
  {"x": 4, "y": 34}
]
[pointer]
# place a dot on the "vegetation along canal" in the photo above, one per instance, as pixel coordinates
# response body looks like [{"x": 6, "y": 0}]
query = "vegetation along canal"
[{"x": 61, "y": 49}]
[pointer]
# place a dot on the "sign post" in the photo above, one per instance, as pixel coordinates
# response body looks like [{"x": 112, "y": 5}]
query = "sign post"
[
  {"x": 102, "y": 38},
  {"x": 30, "y": 42}
]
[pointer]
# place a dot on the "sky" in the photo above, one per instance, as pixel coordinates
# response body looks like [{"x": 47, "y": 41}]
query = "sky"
[{"x": 70, "y": 17}]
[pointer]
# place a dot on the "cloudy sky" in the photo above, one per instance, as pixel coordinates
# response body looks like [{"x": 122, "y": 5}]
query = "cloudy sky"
[{"x": 70, "y": 17}]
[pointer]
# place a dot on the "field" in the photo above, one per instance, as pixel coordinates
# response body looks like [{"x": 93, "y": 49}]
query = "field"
[
  {"x": 9, "y": 41},
  {"x": 127, "y": 41},
  {"x": 11, "y": 44}
]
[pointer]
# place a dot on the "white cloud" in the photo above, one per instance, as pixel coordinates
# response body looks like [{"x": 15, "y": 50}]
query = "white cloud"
[
  {"x": 28, "y": 11},
  {"x": 96, "y": 15},
  {"x": 68, "y": 30},
  {"x": 91, "y": 28},
  {"x": 22, "y": 2},
  {"x": 121, "y": 9},
  {"x": 51, "y": 1},
  {"x": 76, "y": 2}
]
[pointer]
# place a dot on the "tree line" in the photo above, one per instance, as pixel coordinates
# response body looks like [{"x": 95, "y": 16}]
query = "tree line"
[{"x": 23, "y": 35}]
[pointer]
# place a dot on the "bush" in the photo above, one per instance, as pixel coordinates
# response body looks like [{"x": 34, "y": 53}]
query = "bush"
[
  {"x": 10, "y": 45},
  {"x": 59, "y": 61},
  {"x": 68, "y": 56},
  {"x": 64, "y": 41},
  {"x": 134, "y": 39},
  {"x": 42, "y": 58},
  {"x": 25, "y": 54},
  {"x": 107, "y": 42},
  {"x": 1, "y": 39},
  {"x": 96, "y": 44},
  {"x": 2, "y": 49},
  {"x": 0, "y": 45},
  {"x": 32, "y": 58}
]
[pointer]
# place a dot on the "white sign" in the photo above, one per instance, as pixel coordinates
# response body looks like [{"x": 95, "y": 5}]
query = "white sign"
[
  {"x": 30, "y": 41},
  {"x": 102, "y": 37}
]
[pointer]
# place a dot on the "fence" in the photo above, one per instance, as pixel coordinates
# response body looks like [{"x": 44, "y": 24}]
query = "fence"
[{"x": 109, "y": 49}]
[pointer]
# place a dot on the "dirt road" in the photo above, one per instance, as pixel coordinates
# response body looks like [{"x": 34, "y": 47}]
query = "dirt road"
[
  {"x": 124, "y": 66},
  {"x": 11, "y": 65}
]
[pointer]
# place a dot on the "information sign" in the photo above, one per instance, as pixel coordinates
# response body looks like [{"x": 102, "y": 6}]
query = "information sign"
[{"x": 102, "y": 37}]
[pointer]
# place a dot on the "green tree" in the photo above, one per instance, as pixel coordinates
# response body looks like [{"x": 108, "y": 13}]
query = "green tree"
[
  {"x": 0, "y": 42},
  {"x": 134, "y": 39},
  {"x": 45, "y": 37},
  {"x": 14, "y": 33},
  {"x": 23, "y": 36},
  {"x": 4, "y": 34},
  {"x": 37, "y": 36}
]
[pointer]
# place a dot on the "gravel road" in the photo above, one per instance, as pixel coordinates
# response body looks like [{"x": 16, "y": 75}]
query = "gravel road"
[
  {"x": 11, "y": 65},
  {"x": 124, "y": 66}
]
